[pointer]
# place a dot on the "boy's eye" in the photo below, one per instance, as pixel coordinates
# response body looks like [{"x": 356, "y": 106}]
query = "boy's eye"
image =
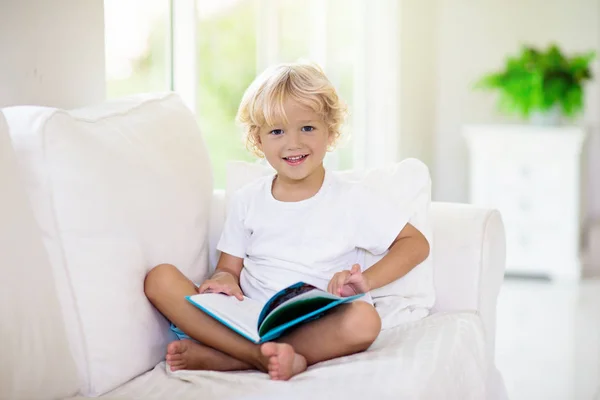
[
  {"x": 276, "y": 132},
  {"x": 308, "y": 128}
]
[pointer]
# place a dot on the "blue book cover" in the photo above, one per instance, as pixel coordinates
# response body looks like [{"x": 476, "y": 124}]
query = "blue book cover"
[{"x": 259, "y": 323}]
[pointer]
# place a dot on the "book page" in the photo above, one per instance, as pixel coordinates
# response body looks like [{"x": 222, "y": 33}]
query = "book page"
[{"x": 240, "y": 316}]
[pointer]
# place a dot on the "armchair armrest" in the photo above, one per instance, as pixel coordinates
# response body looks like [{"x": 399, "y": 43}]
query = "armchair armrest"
[{"x": 469, "y": 261}]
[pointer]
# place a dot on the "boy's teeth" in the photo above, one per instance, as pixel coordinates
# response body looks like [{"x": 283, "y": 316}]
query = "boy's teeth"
[{"x": 295, "y": 158}]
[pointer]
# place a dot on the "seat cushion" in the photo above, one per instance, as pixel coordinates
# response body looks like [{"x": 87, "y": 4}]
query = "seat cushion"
[
  {"x": 116, "y": 189},
  {"x": 439, "y": 357}
]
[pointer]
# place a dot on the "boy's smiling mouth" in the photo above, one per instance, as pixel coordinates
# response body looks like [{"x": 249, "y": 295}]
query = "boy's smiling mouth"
[{"x": 295, "y": 160}]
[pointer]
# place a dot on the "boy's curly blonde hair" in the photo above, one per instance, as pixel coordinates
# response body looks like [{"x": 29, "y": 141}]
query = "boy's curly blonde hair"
[{"x": 305, "y": 83}]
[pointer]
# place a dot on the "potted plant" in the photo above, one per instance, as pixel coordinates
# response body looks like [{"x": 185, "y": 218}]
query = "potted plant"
[{"x": 541, "y": 85}]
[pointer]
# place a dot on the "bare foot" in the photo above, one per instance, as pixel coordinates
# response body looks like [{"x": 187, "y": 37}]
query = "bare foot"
[
  {"x": 284, "y": 362},
  {"x": 187, "y": 354}
]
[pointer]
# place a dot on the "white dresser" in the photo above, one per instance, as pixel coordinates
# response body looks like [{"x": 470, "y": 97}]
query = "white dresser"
[{"x": 531, "y": 174}]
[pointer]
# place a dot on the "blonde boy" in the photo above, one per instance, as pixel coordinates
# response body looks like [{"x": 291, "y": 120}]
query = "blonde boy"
[{"x": 300, "y": 224}]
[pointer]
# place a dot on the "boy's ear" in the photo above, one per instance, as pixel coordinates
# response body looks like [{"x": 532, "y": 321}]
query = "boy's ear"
[
  {"x": 258, "y": 143},
  {"x": 330, "y": 141}
]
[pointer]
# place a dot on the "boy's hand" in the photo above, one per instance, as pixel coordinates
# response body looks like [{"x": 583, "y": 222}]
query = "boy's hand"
[
  {"x": 222, "y": 282},
  {"x": 348, "y": 283}
]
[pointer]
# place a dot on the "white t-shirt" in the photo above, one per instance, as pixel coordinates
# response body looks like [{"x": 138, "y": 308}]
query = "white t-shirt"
[{"x": 310, "y": 240}]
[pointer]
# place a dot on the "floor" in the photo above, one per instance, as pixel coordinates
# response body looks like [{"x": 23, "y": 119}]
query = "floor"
[{"x": 548, "y": 343}]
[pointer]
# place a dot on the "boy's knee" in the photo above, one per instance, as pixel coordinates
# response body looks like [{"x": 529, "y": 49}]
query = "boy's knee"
[
  {"x": 362, "y": 323},
  {"x": 157, "y": 278}
]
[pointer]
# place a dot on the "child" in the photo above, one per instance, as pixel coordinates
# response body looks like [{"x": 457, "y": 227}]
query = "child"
[{"x": 300, "y": 224}]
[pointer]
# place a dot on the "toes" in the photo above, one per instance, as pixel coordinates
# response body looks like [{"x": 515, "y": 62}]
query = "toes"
[
  {"x": 174, "y": 357},
  {"x": 269, "y": 349},
  {"x": 176, "y": 365},
  {"x": 175, "y": 362},
  {"x": 175, "y": 347}
]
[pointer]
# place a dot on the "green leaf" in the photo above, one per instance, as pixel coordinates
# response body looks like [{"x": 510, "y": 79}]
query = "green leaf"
[{"x": 538, "y": 80}]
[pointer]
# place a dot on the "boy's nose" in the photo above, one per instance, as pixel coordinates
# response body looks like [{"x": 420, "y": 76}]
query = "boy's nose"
[{"x": 294, "y": 141}]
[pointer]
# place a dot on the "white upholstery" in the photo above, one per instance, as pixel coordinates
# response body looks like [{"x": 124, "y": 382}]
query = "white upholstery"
[
  {"x": 117, "y": 189},
  {"x": 469, "y": 261},
  {"x": 439, "y": 357},
  {"x": 35, "y": 361},
  {"x": 469, "y": 271},
  {"x": 36, "y": 325}
]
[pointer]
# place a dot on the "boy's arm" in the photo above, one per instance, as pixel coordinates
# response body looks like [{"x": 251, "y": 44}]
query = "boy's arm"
[
  {"x": 409, "y": 249},
  {"x": 226, "y": 278},
  {"x": 229, "y": 264}
]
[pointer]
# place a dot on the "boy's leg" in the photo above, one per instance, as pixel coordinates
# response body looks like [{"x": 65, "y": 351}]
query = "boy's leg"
[
  {"x": 347, "y": 329},
  {"x": 166, "y": 288}
]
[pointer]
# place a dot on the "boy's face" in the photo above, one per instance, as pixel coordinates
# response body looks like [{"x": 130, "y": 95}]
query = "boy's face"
[{"x": 295, "y": 149}]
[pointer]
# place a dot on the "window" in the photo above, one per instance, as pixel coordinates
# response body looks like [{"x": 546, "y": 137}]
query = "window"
[
  {"x": 342, "y": 42},
  {"x": 323, "y": 31},
  {"x": 226, "y": 66},
  {"x": 137, "y": 37},
  {"x": 294, "y": 26},
  {"x": 228, "y": 58},
  {"x": 209, "y": 51}
]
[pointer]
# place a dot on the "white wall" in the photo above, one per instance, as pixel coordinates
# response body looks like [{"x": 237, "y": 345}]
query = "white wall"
[
  {"x": 473, "y": 37},
  {"x": 52, "y": 52}
]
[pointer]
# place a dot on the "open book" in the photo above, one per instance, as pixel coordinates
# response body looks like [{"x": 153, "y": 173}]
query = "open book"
[{"x": 261, "y": 323}]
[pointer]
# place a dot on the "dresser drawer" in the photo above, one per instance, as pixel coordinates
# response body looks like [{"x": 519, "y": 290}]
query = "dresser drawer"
[
  {"x": 538, "y": 249},
  {"x": 531, "y": 175}
]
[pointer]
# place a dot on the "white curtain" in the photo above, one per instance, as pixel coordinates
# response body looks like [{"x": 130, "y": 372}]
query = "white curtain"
[{"x": 376, "y": 67}]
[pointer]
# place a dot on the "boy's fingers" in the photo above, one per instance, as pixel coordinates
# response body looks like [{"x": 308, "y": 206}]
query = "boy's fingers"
[
  {"x": 342, "y": 279},
  {"x": 330, "y": 284},
  {"x": 350, "y": 277},
  {"x": 214, "y": 288},
  {"x": 356, "y": 278},
  {"x": 225, "y": 289},
  {"x": 239, "y": 296},
  {"x": 355, "y": 269},
  {"x": 203, "y": 288}
]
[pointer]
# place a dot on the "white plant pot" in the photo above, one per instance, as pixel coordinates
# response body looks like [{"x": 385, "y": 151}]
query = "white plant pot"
[{"x": 551, "y": 117}]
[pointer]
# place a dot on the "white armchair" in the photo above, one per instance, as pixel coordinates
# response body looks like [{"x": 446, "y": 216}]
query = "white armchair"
[{"x": 449, "y": 354}]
